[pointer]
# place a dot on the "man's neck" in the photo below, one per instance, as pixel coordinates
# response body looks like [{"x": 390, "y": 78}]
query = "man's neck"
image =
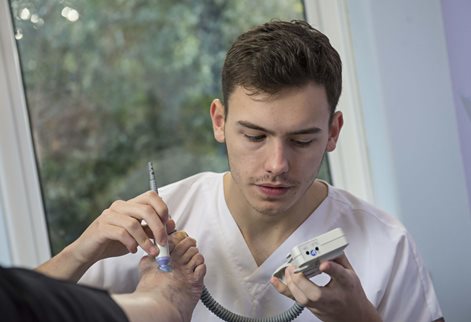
[{"x": 264, "y": 233}]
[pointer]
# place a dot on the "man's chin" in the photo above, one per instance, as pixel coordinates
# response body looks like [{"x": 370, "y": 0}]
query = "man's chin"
[{"x": 270, "y": 210}]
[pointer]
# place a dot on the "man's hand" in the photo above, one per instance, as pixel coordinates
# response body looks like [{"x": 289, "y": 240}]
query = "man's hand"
[
  {"x": 117, "y": 231},
  {"x": 342, "y": 299}
]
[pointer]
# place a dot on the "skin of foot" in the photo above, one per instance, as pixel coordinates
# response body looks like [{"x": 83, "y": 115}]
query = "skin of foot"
[{"x": 168, "y": 296}]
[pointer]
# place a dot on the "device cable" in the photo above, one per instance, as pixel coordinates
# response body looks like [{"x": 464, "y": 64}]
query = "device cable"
[{"x": 229, "y": 316}]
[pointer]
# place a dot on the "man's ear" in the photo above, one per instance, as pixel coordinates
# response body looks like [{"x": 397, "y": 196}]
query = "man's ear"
[
  {"x": 218, "y": 119},
  {"x": 334, "y": 131}
]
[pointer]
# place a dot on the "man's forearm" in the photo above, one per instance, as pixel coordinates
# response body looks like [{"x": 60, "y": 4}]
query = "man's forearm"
[{"x": 64, "y": 266}]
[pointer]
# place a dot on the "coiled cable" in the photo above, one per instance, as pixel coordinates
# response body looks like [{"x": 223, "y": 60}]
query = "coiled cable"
[{"x": 229, "y": 316}]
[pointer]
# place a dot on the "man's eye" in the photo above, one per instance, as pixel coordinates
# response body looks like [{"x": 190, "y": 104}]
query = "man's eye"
[
  {"x": 302, "y": 143},
  {"x": 255, "y": 138}
]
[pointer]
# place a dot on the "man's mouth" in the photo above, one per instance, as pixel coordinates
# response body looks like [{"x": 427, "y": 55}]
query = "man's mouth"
[{"x": 272, "y": 190}]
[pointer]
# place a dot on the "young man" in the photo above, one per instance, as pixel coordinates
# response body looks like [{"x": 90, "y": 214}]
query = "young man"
[
  {"x": 281, "y": 83},
  {"x": 26, "y": 295}
]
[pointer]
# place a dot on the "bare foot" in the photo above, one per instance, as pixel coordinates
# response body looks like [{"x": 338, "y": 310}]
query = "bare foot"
[{"x": 177, "y": 292}]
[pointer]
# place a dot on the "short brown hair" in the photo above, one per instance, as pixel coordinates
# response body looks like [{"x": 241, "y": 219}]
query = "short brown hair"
[{"x": 281, "y": 54}]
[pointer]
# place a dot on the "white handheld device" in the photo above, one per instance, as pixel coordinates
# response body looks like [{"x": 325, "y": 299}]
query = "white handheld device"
[{"x": 307, "y": 256}]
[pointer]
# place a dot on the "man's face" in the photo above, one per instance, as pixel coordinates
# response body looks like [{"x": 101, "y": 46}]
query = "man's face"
[{"x": 275, "y": 144}]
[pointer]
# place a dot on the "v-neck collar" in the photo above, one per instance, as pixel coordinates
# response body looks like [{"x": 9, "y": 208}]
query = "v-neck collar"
[{"x": 241, "y": 254}]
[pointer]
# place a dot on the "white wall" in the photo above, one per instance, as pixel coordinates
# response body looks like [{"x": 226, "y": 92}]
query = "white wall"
[
  {"x": 458, "y": 30},
  {"x": 412, "y": 136}
]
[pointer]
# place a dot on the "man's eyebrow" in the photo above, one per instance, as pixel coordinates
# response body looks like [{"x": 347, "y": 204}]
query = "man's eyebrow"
[
  {"x": 310, "y": 130},
  {"x": 253, "y": 126}
]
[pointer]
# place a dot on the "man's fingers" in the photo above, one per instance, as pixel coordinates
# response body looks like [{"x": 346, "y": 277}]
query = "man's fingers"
[
  {"x": 153, "y": 199},
  {"x": 151, "y": 208},
  {"x": 128, "y": 226},
  {"x": 281, "y": 287},
  {"x": 122, "y": 236},
  {"x": 171, "y": 226},
  {"x": 343, "y": 260},
  {"x": 297, "y": 283},
  {"x": 338, "y": 269},
  {"x": 145, "y": 212},
  {"x": 136, "y": 213},
  {"x": 148, "y": 231},
  {"x": 136, "y": 230}
]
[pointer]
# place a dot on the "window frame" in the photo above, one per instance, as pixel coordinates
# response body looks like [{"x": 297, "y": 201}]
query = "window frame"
[
  {"x": 351, "y": 152},
  {"x": 21, "y": 201}
]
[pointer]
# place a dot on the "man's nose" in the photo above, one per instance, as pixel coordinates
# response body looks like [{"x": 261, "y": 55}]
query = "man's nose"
[{"x": 277, "y": 159}]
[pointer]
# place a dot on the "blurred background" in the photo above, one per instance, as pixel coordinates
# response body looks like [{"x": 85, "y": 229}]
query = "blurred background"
[{"x": 92, "y": 90}]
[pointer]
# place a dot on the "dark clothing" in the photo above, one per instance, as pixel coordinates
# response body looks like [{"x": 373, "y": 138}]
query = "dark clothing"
[{"x": 26, "y": 295}]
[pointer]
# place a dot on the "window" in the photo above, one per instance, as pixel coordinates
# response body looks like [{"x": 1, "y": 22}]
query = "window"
[{"x": 111, "y": 85}]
